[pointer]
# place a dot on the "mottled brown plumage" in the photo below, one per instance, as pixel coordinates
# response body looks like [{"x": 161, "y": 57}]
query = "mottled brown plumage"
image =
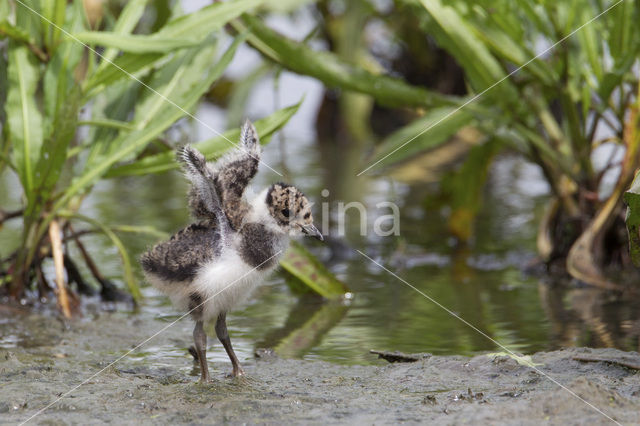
[
  {"x": 179, "y": 258},
  {"x": 234, "y": 175}
]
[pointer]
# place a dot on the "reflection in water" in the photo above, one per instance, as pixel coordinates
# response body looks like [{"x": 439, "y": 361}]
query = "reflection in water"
[
  {"x": 587, "y": 317},
  {"x": 308, "y": 321}
]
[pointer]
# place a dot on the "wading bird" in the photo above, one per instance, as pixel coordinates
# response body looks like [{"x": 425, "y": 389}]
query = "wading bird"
[{"x": 216, "y": 262}]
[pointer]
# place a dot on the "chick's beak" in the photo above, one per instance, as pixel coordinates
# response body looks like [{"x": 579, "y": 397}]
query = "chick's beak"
[{"x": 312, "y": 231}]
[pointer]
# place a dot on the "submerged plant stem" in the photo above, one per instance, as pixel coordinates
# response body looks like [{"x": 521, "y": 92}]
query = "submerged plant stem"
[{"x": 58, "y": 262}]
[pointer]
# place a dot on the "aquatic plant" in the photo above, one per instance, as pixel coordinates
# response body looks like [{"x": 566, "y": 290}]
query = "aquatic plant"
[
  {"x": 89, "y": 94},
  {"x": 552, "y": 81}
]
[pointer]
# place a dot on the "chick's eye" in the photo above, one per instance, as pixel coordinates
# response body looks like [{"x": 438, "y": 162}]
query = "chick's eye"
[{"x": 285, "y": 212}]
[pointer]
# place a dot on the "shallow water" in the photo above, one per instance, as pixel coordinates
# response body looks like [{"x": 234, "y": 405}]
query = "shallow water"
[{"x": 482, "y": 283}]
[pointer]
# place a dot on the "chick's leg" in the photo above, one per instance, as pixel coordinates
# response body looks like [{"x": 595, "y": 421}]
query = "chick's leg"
[
  {"x": 200, "y": 339},
  {"x": 223, "y": 336}
]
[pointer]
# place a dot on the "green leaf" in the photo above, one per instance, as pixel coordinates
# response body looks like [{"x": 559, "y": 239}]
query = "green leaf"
[
  {"x": 632, "y": 198},
  {"x": 113, "y": 66},
  {"x": 434, "y": 128},
  {"x": 513, "y": 51},
  {"x": 457, "y": 36},
  {"x": 188, "y": 29},
  {"x": 180, "y": 74},
  {"x": 211, "y": 148},
  {"x": 126, "y": 23},
  {"x": 623, "y": 20},
  {"x": 53, "y": 12},
  {"x": 304, "y": 266},
  {"x": 134, "y": 43},
  {"x": 124, "y": 66},
  {"x": 9, "y": 30},
  {"x": 144, "y": 230},
  {"x": 535, "y": 14},
  {"x": 27, "y": 20},
  {"x": 116, "y": 102},
  {"x": 130, "y": 142},
  {"x": 62, "y": 101},
  {"x": 167, "y": 85},
  {"x": 185, "y": 31},
  {"x": 591, "y": 43},
  {"x": 111, "y": 124},
  {"x": 54, "y": 151},
  {"x": 624, "y": 46},
  {"x": 202, "y": 22},
  {"x": 59, "y": 74},
  {"x": 4, "y": 88},
  {"x": 328, "y": 68},
  {"x": 5, "y": 11},
  {"x": 171, "y": 81},
  {"x": 24, "y": 120}
]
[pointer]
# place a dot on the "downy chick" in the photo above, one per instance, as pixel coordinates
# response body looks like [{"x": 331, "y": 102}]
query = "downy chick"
[{"x": 215, "y": 263}]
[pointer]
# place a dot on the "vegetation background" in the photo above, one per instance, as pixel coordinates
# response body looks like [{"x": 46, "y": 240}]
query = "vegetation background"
[{"x": 94, "y": 91}]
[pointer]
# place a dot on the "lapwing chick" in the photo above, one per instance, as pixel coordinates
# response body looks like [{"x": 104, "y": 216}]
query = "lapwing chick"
[{"x": 216, "y": 262}]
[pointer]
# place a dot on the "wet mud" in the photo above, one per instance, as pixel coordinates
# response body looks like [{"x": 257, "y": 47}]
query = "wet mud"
[{"x": 47, "y": 358}]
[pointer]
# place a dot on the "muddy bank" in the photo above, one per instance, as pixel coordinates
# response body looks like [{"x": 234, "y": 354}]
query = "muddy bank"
[{"x": 50, "y": 359}]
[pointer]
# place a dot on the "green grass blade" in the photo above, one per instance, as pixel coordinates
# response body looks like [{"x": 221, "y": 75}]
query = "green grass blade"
[
  {"x": 122, "y": 67},
  {"x": 135, "y": 43},
  {"x": 456, "y": 35},
  {"x": 211, "y": 148},
  {"x": 117, "y": 103},
  {"x": 632, "y": 198},
  {"x": 59, "y": 73},
  {"x": 185, "y": 31},
  {"x": 206, "y": 20},
  {"x": 169, "y": 84},
  {"x": 191, "y": 29},
  {"x": 412, "y": 139},
  {"x": 591, "y": 43},
  {"x": 28, "y": 21},
  {"x": 111, "y": 124},
  {"x": 134, "y": 141},
  {"x": 506, "y": 48},
  {"x": 24, "y": 120},
  {"x": 9, "y": 30},
  {"x": 536, "y": 16},
  {"x": 305, "y": 267},
  {"x": 144, "y": 230},
  {"x": 125, "y": 24},
  {"x": 5, "y": 11},
  {"x": 328, "y": 68},
  {"x": 624, "y": 46},
  {"x": 621, "y": 29},
  {"x": 54, "y": 14},
  {"x": 54, "y": 151},
  {"x": 172, "y": 80}
]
